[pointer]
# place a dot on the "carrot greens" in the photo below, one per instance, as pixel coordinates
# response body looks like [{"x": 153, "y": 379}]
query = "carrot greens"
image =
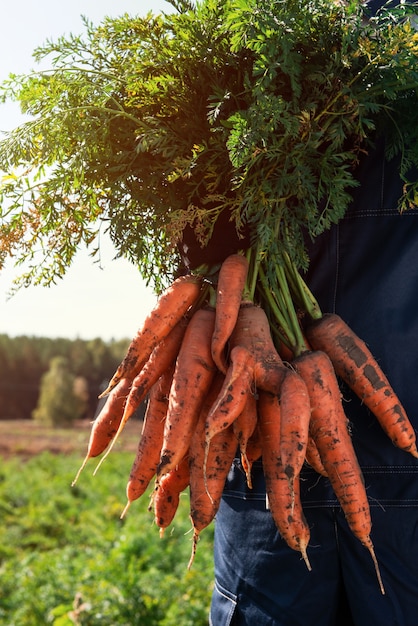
[{"x": 158, "y": 127}]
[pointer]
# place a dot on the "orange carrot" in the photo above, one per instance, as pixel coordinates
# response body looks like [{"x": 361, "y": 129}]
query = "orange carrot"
[
  {"x": 207, "y": 487},
  {"x": 173, "y": 303},
  {"x": 355, "y": 364},
  {"x": 166, "y": 497},
  {"x": 106, "y": 424},
  {"x": 284, "y": 502},
  {"x": 253, "y": 452},
  {"x": 162, "y": 357},
  {"x": 286, "y": 353},
  {"x": 192, "y": 380},
  {"x": 244, "y": 427},
  {"x": 209, "y": 467},
  {"x": 252, "y": 331},
  {"x": 295, "y": 413},
  {"x": 328, "y": 428},
  {"x": 231, "y": 283},
  {"x": 149, "y": 448},
  {"x": 238, "y": 384},
  {"x": 313, "y": 458}
]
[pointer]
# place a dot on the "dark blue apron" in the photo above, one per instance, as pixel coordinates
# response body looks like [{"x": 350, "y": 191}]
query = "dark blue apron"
[{"x": 365, "y": 269}]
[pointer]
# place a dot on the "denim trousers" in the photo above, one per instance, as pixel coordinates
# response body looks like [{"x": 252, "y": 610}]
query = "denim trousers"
[
  {"x": 365, "y": 268},
  {"x": 260, "y": 581}
]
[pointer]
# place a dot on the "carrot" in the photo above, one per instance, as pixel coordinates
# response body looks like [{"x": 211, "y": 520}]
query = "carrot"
[
  {"x": 328, "y": 428},
  {"x": 238, "y": 384},
  {"x": 149, "y": 448},
  {"x": 286, "y": 354},
  {"x": 207, "y": 486},
  {"x": 162, "y": 357},
  {"x": 284, "y": 502},
  {"x": 313, "y": 458},
  {"x": 252, "y": 331},
  {"x": 252, "y": 453},
  {"x": 172, "y": 304},
  {"x": 192, "y": 379},
  {"x": 295, "y": 413},
  {"x": 167, "y": 492},
  {"x": 106, "y": 423},
  {"x": 244, "y": 427},
  {"x": 231, "y": 283},
  {"x": 355, "y": 364},
  {"x": 209, "y": 467}
]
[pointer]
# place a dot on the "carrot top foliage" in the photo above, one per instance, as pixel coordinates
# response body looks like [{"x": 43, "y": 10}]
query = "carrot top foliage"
[{"x": 252, "y": 109}]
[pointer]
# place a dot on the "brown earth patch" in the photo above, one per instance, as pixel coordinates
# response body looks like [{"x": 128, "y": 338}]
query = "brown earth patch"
[{"x": 25, "y": 438}]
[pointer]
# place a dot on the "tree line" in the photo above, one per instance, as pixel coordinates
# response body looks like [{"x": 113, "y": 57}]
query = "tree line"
[{"x": 54, "y": 379}]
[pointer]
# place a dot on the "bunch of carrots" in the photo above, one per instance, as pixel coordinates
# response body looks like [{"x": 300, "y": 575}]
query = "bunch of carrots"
[{"x": 227, "y": 366}]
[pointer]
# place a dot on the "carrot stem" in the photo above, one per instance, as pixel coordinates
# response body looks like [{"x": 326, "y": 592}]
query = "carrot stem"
[
  {"x": 271, "y": 296},
  {"x": 301, "y": 293},
  {"x": 280, "y": 303},
  {"x": 211, "y": 296},
  {"x": 299, "y": 343},
  {"x": 253, "y": 259}
]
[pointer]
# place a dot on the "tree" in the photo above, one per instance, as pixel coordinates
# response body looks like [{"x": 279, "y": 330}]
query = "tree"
[
  {"x": 62, "y": 397},
  {"x": 247, "y": 110},
  {"x": 24, "y": 360}
]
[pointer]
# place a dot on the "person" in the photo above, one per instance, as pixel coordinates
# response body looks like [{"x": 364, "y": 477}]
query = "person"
[{"x": 365, "y": 268}]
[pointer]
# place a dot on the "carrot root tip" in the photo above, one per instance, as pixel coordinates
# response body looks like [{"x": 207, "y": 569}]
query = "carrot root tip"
[
  {"x": 306, "y": 558},
  {"x": 247, "y": 469},
  {"x": 83, "y": 465},
  {"x": 114, "y": 381},
  {"x": 99, "y": 464},
  {"x": 414, "y": 451},
  {"x": 194, "y": 548},
  {"x": 125, "y": 510},
  {"x": 205, "y": 481},
  {"x": 370, "y": 548}
]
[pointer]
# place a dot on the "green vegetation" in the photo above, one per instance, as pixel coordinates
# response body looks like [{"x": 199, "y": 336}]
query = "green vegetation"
[
  {"x": 59, "y": 403},
  {"x": 25, "y": 360},
  {"x": 66, "y": 558},
  {"x": 253, "y": 110}
]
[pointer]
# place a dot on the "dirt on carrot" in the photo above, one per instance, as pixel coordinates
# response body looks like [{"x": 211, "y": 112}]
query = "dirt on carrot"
[
  {"x": 229, "y": 292},
  {"x": 148, "y": 453},
  {"x": 353, "y": 361},
  {"x": 171, "y": 306},
  {"x": 106, "y": 424},
  {"x": 192, "y": 379},
  {"x": 284, "y": 500},
  {"x": 252, "y": 331},
  {"x": 329, "y": 430},
  {"x": 237, "y": 386}
]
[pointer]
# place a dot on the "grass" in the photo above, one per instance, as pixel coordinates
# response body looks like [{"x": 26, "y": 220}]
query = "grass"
[{"x": 66, "y": 557}]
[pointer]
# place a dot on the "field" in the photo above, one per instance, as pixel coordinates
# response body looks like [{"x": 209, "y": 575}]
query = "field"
[
  {"x": 25, "y": 438},
  {"x": 67, "y": 559}
]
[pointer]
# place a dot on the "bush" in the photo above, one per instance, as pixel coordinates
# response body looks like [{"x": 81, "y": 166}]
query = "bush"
[{"x": 60, "y": 403}]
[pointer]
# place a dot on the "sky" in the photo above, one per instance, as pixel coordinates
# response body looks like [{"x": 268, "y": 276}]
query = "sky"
[{"x": 108, "y": 300}]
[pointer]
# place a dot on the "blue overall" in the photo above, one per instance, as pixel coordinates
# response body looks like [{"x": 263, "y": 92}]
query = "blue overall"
[{"x": 365, "y": 269}]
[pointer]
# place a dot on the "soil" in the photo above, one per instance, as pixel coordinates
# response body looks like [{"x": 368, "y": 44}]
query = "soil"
[{"x": 25, "y": 438}]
